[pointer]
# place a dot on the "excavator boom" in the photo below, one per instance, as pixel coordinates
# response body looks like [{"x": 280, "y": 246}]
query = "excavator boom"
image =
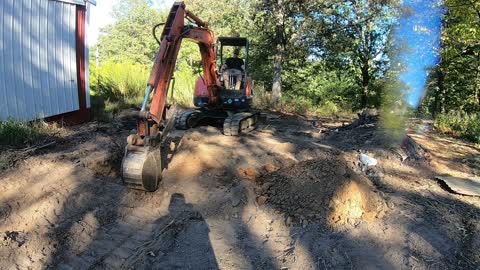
[{"x": 141, "y": 166}]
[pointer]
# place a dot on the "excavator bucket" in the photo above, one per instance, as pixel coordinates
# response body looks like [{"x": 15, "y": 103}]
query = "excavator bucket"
[{"x": 142, "y": 167}]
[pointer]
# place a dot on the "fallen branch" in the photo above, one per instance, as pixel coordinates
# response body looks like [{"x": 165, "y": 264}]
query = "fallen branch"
[
  {"x": 37, "y": 147},
  {"x": 23, "y": 154}
]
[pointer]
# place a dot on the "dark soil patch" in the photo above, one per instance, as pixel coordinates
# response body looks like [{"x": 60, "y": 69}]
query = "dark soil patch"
[{"x": 324, "y": 190}]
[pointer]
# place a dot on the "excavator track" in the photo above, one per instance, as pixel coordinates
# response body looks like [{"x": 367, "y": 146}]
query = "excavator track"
[
  {"x": 238, "y": 123},
  {"x": 187, "y": 119}
]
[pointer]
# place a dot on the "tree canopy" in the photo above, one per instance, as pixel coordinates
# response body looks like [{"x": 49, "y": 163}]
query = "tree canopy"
[
  {"x": 130, "y": 37},
  {"x": 328, "y": 54},
  {"x": 454, "y": 83}
]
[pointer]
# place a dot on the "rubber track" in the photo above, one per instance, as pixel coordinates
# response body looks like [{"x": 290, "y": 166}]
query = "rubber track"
[
  {"x": 182, "y": 119},
  {"x": 240, "y": 123}
]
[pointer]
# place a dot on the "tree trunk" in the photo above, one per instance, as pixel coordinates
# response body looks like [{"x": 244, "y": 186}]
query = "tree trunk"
[
  {"x": 365, "y": 83},
  {"x": 277, "y": 74},
  {"x": 476, "y": 83},
  {"x": 279, "y": 52},
  {"x": 437, "y": 104}
]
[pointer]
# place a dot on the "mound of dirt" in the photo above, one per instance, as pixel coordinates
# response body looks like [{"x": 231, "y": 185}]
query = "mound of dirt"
[{"x": 323, "y": 190}]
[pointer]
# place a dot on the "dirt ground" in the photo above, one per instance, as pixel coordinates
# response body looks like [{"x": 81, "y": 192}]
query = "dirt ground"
[{"x": 290, "y": 195}]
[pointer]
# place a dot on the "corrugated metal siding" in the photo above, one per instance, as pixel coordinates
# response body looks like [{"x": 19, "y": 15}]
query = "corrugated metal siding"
[
  {"x": 78, "y": 2},
  {"x": 87, "y": 57},
  {"x": 37, "y": 59}
]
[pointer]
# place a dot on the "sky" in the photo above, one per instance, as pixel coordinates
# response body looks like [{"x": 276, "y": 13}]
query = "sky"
[
  {"x": 101, "y": 15},
  {"x": 420, "y": 32}
]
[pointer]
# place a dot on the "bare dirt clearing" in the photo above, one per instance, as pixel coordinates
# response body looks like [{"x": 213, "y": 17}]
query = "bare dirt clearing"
[{"x": 291, "y": 194}]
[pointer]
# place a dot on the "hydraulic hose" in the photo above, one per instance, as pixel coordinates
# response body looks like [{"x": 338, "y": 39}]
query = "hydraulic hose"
[{"x": 154, "y": 32}]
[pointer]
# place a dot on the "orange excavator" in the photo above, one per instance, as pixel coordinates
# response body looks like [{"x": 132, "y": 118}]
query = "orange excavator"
[{"x": 224, "y": 98}]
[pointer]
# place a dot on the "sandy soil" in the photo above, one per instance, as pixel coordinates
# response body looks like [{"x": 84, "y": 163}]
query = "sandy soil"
[{"x": 291, "y": 195}]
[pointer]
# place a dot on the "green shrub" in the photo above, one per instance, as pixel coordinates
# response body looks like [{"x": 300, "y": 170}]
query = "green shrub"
[
  {"x": 297, "y": 104},
  {"x": 262, "y": 99},
  {"x": 117, "y": 86},
  {"x": 328, "y": 108},
  {"x": 16, "y": 133},
  {"x": 460, "y": 125}
]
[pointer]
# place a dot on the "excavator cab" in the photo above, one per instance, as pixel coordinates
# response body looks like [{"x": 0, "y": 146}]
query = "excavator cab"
[
  {"x": 237, "y": 92},
  {"x": 233, "y": 95},
  {"x": 236, "y": 86}
]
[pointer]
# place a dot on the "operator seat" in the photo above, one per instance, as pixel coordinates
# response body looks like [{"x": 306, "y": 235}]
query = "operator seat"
[{"x": 233, "y": 74}]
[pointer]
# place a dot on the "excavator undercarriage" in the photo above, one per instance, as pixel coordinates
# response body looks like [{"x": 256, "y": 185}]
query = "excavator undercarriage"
[{"x": 233, "y": 124}]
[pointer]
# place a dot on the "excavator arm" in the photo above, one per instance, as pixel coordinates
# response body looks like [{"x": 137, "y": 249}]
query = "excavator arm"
[
  {"x": 170, "y": 42},
  {"x": 141, "y": 165}
]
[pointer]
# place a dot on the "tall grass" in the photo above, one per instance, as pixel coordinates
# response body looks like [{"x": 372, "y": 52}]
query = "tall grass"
[
  {"x": 185, "y": 79},
  {"x": 119, "y": 81},
  {"x": 460, "y": 125},
  {"x": 117, "y": 86}
]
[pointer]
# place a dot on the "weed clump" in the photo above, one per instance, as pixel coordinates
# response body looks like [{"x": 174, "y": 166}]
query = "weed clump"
[
  {"x": 17, "y": 133},
  {"x": 460, "y": 125}
]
